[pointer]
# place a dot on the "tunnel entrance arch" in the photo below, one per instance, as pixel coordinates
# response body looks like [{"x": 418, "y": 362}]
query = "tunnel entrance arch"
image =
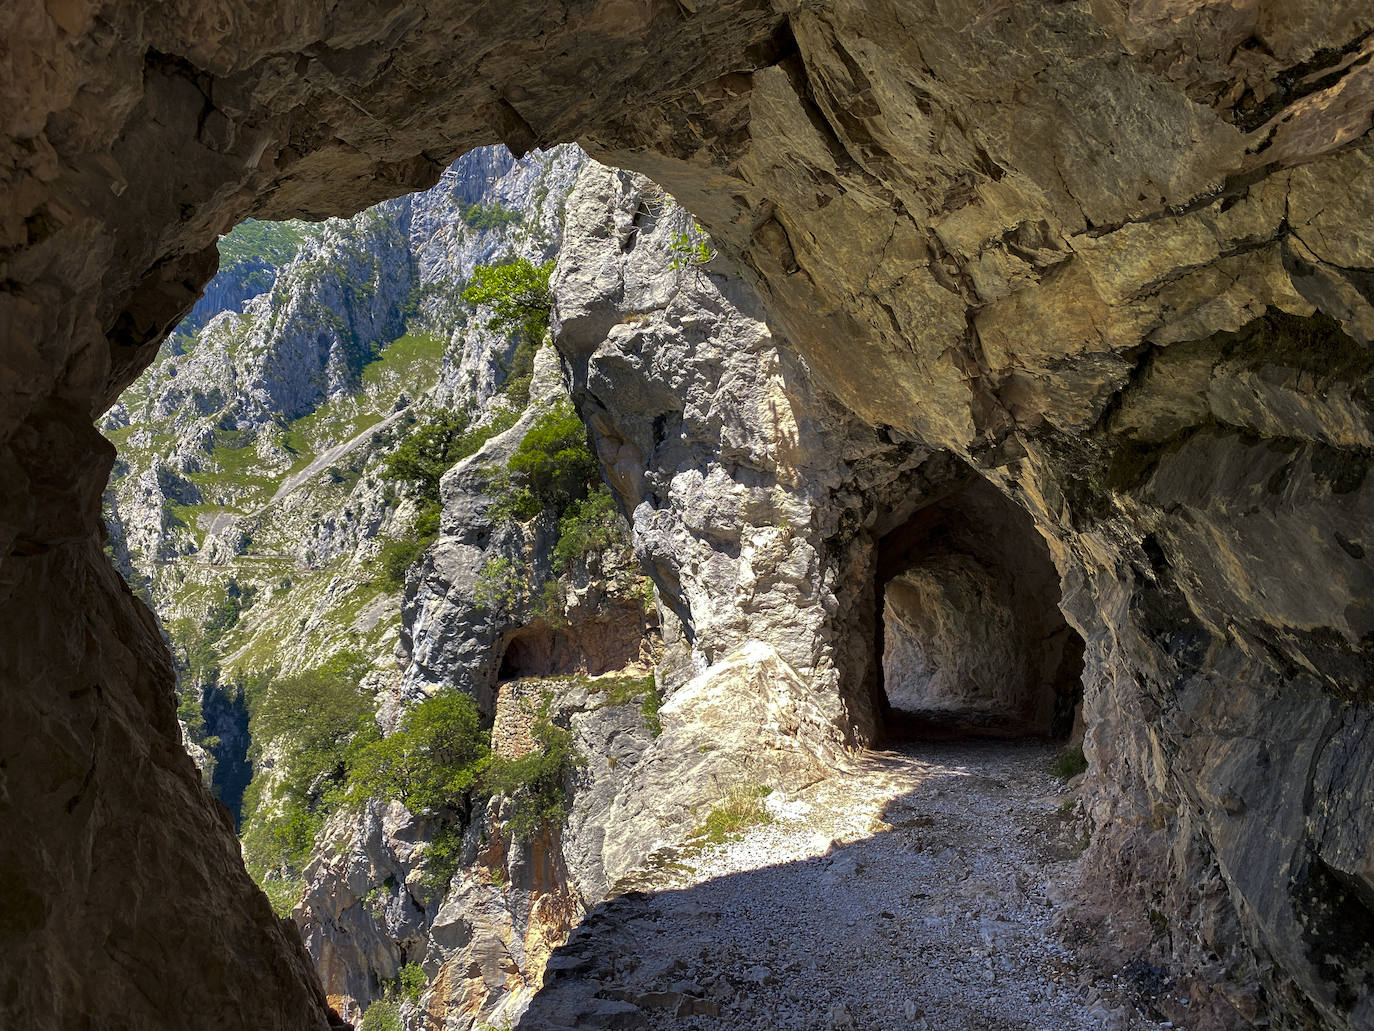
[{"x": 969, "y": 638}]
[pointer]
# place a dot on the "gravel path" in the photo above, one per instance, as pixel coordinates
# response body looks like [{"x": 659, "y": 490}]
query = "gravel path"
[{"x": 913, "y": 893}]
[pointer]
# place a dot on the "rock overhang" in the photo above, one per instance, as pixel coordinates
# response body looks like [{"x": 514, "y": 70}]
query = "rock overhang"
[{"x": 978, "y": 223}]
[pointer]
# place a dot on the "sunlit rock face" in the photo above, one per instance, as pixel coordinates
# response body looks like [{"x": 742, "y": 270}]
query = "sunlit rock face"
[{"x": 1115, "y": 257}]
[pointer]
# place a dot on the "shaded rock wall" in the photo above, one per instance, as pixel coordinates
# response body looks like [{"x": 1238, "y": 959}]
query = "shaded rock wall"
[
  {"x": 986, "y": 227},
  {"x": 951, "y": 644}
]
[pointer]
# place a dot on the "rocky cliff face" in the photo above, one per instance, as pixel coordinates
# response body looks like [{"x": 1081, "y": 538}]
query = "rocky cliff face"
[
  {"x": 250, "y": 503},
  {"x": 1112, "y": 257}
]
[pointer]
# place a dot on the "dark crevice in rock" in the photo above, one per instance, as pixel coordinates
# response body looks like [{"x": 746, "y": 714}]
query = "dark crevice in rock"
[
  {"x": 226, "y": 722},
  {"x": 1321, "y": 71}
]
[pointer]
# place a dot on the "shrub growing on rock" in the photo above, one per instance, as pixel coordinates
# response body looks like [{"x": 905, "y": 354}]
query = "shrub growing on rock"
[
  {"x": 591, "y": 524},
  {"x": 501, "y": 584},
  {"x": 553, "y": 466},
  {"x": 431, "y": 762},
  {"x": 412, "y": 981},
  {"x": 517, "y": 292},
  {"x": 310, "y": 719},
  {"x": 537, "y": 782},
  {"x": 428, "y": 452},
  {"x": 382, "y": 1015},
  {"x": 419, "y": 464}
]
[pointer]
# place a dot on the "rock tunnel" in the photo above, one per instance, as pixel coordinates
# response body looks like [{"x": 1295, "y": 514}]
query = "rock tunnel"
[
  {"x": 969, "y": 629},
  {"x": 983, "y": 225}
]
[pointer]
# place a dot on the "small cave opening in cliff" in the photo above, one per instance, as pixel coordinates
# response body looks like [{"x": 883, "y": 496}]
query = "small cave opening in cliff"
[
  {"x": 969, "y": 636},
  {"x": 593, "y": 647}
]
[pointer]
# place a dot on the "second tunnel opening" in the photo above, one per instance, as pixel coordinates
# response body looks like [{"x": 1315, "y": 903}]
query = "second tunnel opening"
[{"x": 970, "y": 639}]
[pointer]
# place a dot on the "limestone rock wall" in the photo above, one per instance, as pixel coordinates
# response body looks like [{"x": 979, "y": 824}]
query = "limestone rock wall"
[
  {"x": 1114, "y": 256},
  {"x": 488, "y": 587},
  {"x": 745, "y": 483},
  {"x": 951, "y": 643}
]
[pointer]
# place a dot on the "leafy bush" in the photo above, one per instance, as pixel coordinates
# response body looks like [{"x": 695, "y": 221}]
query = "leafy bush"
[
  {"x": 548, "y": 604},
  {"x": 536, "y": 783},
  {"x": 412, "y": 981},
  {"x": 553, "y": 466},
  {"x": 442, "y": 856},
  {"x": 283, "y": 894},
  {"x": 519, "y": 373},
  {"x": 420, "y": 462},
  {"x": 591, "y": 524},
  {"x": 397, "y": 556},
  {"x": 691, "y": 248},
  {"x": 517, "y": 293},
  {"x": 428, "y": 452},
  {"x": 280, "y": 843},
  {"x": 189, "y": 711},
  {"x": 490, "y": 216},
  {"x": 317, "y": 713},
  {"x": 431, "y": 762},
  {"x": 500, "y": 585},
  {"x": 382, "y": 1015}
]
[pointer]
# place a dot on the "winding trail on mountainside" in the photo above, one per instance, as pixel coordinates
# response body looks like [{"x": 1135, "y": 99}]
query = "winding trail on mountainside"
[
  {"x": 218, "y": 522},
  {"x": 919, "y": 890},
  {"x": 328, "y": 457}
]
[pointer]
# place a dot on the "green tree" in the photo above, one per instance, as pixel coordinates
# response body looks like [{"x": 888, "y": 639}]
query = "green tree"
[
  {"x": 316, "y": 713},
  {"x": 432, "y": 761},
  {"x": 428, "y": 452},
  {"x": 553, "y": 465},
  {"x": 517, "y": 293},
  {"x": 382, "y": 1015}
]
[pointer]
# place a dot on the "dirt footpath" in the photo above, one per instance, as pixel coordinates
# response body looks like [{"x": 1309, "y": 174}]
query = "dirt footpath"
[{"x": 915, "y": 892}]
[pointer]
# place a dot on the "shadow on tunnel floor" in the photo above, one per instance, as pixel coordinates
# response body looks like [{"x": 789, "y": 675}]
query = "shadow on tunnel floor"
[{"x": 939, "y": 917}]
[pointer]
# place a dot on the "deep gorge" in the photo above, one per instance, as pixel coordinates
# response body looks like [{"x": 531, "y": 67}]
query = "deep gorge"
[{"x": 1104, "y": 265}]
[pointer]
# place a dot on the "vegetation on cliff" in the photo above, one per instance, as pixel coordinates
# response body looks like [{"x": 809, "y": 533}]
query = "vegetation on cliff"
[
  {"x": 537, "y": 783},
  {"x": 517, "y": 294},
  {"x": 552, "y": 467},
  {"x": 432, "y": 761}
]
